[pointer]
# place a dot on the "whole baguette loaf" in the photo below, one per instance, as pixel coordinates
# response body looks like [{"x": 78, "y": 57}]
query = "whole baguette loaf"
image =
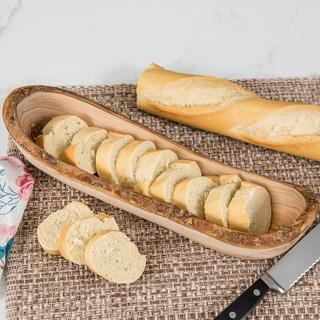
[{"x": 226, "y": 108}]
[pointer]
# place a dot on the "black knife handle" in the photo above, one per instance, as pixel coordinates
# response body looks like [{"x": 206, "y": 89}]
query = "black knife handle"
[{"x": 239, "y": 308}]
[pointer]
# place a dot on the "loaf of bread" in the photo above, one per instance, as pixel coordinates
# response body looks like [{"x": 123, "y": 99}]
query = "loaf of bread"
[
  {"x": 107, "y": 154},
  {"x": 128, "y": 158},
  {"x": 49, "y": 230},
  {"x": 226, "y": 108},
  {"x": 250, "y": 209},
  {"x": 82, "y": 151},
  {"x": 150, "y": 166},
  {"x": 163, "y": 185},
  {"x": 58, "y": 133},
  {"x": 75, "y": 236},
  {"x": 114, "y": 257},
  {"x": 190, "y": 194}
]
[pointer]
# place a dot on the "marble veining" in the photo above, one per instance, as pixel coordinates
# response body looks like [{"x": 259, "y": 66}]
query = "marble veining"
[{"x": 7, "y": 8}]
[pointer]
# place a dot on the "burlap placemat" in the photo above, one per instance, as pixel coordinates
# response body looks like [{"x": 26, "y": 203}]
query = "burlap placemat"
[{"x": 182, "y": 280}]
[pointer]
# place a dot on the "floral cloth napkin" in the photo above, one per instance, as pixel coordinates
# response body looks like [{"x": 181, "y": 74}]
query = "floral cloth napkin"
[{"x": 16, "y": 185}]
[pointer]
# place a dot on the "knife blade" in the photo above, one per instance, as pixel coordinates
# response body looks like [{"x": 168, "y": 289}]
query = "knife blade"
[{"x": 284, "y": 274}]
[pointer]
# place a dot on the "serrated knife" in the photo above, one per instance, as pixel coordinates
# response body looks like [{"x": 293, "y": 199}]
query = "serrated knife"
[{"x": 284, "y": 274}]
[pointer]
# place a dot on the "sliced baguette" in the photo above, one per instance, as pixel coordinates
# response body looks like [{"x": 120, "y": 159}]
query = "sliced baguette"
[
  {"x": 217, "y": 202},
  {"x": 230, "y": 178},
  {"x": 215, "y": 179},
  {"x": 75, "y": 236},
  {"x": 128, "y": 158},
  {"x": 150, "y": 166},
  {"x": 107, "y": 155},
  {"x": 49, "y": 229},
  {"x": 82, "y": 151},
  {"x": 109, "y": 221},
  {"x": 114, "y": 257},
  {"x": 57, "y": 134},
  {"x": 250, "y": 209},
  {"x": 163, "y": 185},
  {"x": 190, "y": 194}
]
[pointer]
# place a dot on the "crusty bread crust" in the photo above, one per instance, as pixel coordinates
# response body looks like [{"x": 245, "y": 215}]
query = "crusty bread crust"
[
  {"x": 224, "y": 107},
  {"x": 215, "y": 179},
  {"x": 63, "y": 243},
  {"x": 69, "y": 155}
]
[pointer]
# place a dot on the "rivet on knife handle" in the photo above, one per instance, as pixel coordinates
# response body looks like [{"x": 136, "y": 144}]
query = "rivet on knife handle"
[{"x": 245, "y": 302}]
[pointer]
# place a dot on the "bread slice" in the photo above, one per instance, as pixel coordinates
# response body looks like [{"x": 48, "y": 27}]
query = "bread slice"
[
  {"x": 215, "y": 179},
  {"x": 190, "y": 194},
  {"x": 107, "y": 155},
  {"x": 57, "y": 134},
  {"x": 75, "y": 236},
  {"x": 49, "y": 229},
  {"x": 250, "y": 209},
  {"x": 230, "y": 178},
  {"x": 217, "y": 202},
  {"x": 82, "y": 151},
  {"x": 150, "y": 166},
  {"x": 108, "y": 220},
  {"x": 163, "y": 185},
  {"x": 128, "y": 158},
  {"x": 114, "y": 257}
]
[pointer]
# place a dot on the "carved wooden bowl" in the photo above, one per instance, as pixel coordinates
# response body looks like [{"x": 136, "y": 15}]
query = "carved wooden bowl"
[{"x": 294, "y": 208}]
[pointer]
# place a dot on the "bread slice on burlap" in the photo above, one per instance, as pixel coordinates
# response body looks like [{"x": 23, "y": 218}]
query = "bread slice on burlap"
[
  {"x": 49, "y": 229},
  {"x": 75, "y": 236},
  {"x": 113, "y": 256}
]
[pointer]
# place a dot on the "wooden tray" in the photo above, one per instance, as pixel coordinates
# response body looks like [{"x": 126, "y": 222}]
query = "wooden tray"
[{"x": 27, "y": 109}]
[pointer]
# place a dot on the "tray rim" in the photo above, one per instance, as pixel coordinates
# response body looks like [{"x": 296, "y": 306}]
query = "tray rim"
[{"x": 253, "y": 243}]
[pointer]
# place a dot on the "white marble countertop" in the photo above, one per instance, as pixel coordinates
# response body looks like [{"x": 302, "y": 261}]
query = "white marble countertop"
[{"x": 102, "y": 42}]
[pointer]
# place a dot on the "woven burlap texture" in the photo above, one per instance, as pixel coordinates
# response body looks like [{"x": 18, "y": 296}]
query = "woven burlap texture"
[{"x": 182, "y": 280}]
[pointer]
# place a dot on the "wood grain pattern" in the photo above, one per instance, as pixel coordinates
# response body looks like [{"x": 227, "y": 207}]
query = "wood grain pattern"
[{"x": 27, "y": 109}]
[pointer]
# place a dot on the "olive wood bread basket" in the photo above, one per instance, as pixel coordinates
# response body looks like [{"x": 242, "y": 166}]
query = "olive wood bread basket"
[{"x": 27, "y": 109}]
